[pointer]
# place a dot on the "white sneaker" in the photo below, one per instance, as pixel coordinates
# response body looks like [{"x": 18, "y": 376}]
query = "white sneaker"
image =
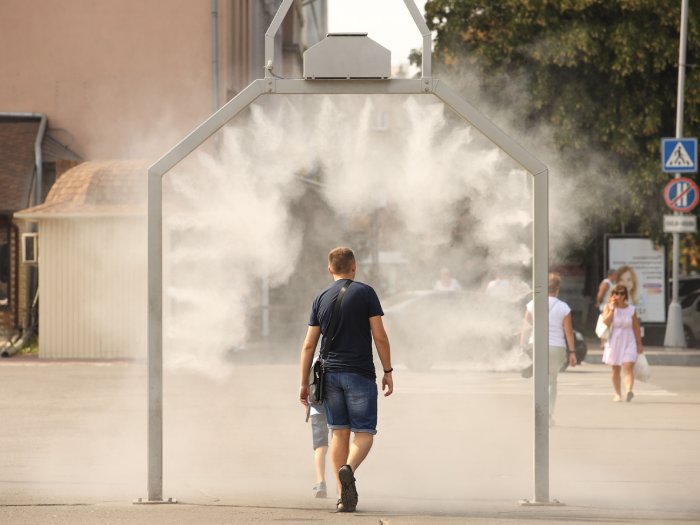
[{"x": 320, "y": 489}]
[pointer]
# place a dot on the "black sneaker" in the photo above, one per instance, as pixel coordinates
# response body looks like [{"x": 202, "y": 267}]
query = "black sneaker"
[{"x": 348, "y": 492}]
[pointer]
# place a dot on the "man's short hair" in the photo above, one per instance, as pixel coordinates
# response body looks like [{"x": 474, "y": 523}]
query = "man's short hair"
[
  {"x": 553, "y": 282},
  {"x": 340, "y": 260},
  {"x": 611, "y": 272}
]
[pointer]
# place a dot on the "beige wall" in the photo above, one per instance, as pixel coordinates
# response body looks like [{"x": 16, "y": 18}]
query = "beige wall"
[
  {"x": 125, "y": 79},
  {"x": 128, "y": 79},
  {"x": 93, "y": 288}
]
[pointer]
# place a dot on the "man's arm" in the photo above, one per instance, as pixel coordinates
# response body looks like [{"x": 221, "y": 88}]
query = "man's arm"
[
  {"x": 307, "y": 354},
  {"x": 381, "y": 341},
  {"x": 602, "y": 289}
]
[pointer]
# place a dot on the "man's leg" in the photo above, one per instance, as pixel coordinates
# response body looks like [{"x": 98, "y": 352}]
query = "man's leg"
[
  {"x": 358, "y": 403},
  {"x": 360, "y": 447},
  {"x": 340, "y": 447}
]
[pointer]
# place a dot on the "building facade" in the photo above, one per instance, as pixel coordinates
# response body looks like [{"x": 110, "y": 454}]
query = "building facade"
[
  {"x": 128, "y": 79},
  {"x": 116, "y": 81}
]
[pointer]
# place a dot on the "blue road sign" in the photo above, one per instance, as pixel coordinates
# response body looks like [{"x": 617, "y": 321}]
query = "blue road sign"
[
  {"x": 679, "y": 155},
  {"x": 681, "y": 194}
]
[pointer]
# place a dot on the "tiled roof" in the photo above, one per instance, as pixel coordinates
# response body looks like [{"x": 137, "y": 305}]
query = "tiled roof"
[
  {"x": 17, "y": 138},
  {"x": 103, "y": 188}
]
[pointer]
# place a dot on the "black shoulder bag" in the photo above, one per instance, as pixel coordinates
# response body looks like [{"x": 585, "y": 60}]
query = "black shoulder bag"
[{"x": 317, "y": 372}]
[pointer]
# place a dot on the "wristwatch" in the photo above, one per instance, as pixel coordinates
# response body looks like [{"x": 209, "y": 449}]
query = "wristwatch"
[{"x": 389, "y": 371}]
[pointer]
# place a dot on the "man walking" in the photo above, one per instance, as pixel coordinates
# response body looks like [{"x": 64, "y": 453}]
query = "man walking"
[
  {"x": 350, "y": 392},
  {"x": 604, "y": 289}
]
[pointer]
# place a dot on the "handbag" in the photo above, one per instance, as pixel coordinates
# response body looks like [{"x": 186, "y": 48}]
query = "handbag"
[
  {"x": 642, "y": 371},
  {"x": 601, "y": 329},
  {"x": 527, "y": 371},
  {"x": 317, "y": 372}
]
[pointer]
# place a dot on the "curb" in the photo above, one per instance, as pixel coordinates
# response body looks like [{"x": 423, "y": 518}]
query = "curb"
[{"x": 656, "y": 355}]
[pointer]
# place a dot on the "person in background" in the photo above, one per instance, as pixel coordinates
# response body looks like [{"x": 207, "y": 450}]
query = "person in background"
[
  {"x": 604, "y": 289},
  {"x": 561, "y": 337},
  {"x": 319, "y": 438},
  {"x": 498, "y": 286},
  {"x": 624, "y": 342},
  {"x": 506, "y": 285},
  {"x": 446, "y": 283},
  {"x": 350, "y": 388}
]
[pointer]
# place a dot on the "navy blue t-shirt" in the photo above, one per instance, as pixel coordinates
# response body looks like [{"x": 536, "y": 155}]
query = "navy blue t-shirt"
[{"x": 351, "y": 350}]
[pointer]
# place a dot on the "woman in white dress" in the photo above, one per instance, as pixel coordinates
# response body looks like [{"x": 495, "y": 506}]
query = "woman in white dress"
[{"x": 624, "y": 342}]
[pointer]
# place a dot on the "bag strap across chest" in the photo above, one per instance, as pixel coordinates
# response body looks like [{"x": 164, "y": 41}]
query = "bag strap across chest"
[{"x": 328, "y": 339}]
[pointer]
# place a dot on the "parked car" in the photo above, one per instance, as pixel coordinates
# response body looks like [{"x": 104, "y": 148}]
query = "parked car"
[
  {"x": 690, "y": 306},
  {"x": 427, "y": 326},
  {"x": 687, "y": 284}
]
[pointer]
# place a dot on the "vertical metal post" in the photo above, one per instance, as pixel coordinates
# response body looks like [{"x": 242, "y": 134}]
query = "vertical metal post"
[
  {"x": 426, "y": 61},
  {"x": 215, "y": 54},
  {"x": 155, "y": 278},
  {"x": 541, "y": 339},
  {"x": 674, "y": 336},
  {"x": 155, "y": 338},
  {"x": 270, "y": 36}
]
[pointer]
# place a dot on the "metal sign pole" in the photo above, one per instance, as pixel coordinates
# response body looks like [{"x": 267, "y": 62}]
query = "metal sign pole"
[{"x": 674, "y": 336}]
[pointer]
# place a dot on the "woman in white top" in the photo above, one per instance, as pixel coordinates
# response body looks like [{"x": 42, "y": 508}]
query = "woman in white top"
[{"x": 561, "y": 336}]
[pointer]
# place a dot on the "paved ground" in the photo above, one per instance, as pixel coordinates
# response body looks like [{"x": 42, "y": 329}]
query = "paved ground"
[{"x": 454, "y": 446}]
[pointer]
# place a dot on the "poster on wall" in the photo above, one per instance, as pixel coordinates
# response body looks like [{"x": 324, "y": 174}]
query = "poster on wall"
[{"x": 641, "y": 267}]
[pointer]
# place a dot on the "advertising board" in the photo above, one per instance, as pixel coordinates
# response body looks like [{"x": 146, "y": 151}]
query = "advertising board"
[{"x": 641, "y": 267}]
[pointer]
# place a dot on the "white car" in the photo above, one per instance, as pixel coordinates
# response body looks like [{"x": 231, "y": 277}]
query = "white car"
[
  {"x": 687, "y": 284},
  {"x": 691, "y": 318}
]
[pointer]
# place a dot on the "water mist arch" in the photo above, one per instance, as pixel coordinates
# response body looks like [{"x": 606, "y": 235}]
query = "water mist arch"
[{"x": 273, "y": 85}]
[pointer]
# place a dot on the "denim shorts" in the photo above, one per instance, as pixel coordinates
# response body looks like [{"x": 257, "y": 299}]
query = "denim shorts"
[{"x": 351, "y": 402}]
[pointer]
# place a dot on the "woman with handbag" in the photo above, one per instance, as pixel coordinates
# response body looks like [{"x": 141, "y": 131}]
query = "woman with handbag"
[{"x": 624, "y": 342}]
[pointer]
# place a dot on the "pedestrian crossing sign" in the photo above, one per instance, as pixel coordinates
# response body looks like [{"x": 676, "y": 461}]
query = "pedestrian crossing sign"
[{"x": 679, "y": 155}]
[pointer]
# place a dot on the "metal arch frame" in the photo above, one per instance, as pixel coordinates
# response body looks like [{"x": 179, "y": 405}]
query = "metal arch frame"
[{"x": 279, "y": 86}]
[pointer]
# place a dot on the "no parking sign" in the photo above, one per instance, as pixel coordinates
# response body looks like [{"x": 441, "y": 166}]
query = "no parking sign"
[{"x": 681, "y": 194}]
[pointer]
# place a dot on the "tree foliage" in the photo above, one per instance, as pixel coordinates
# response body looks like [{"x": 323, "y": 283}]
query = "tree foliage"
[{"x": 602, "y": 74}]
